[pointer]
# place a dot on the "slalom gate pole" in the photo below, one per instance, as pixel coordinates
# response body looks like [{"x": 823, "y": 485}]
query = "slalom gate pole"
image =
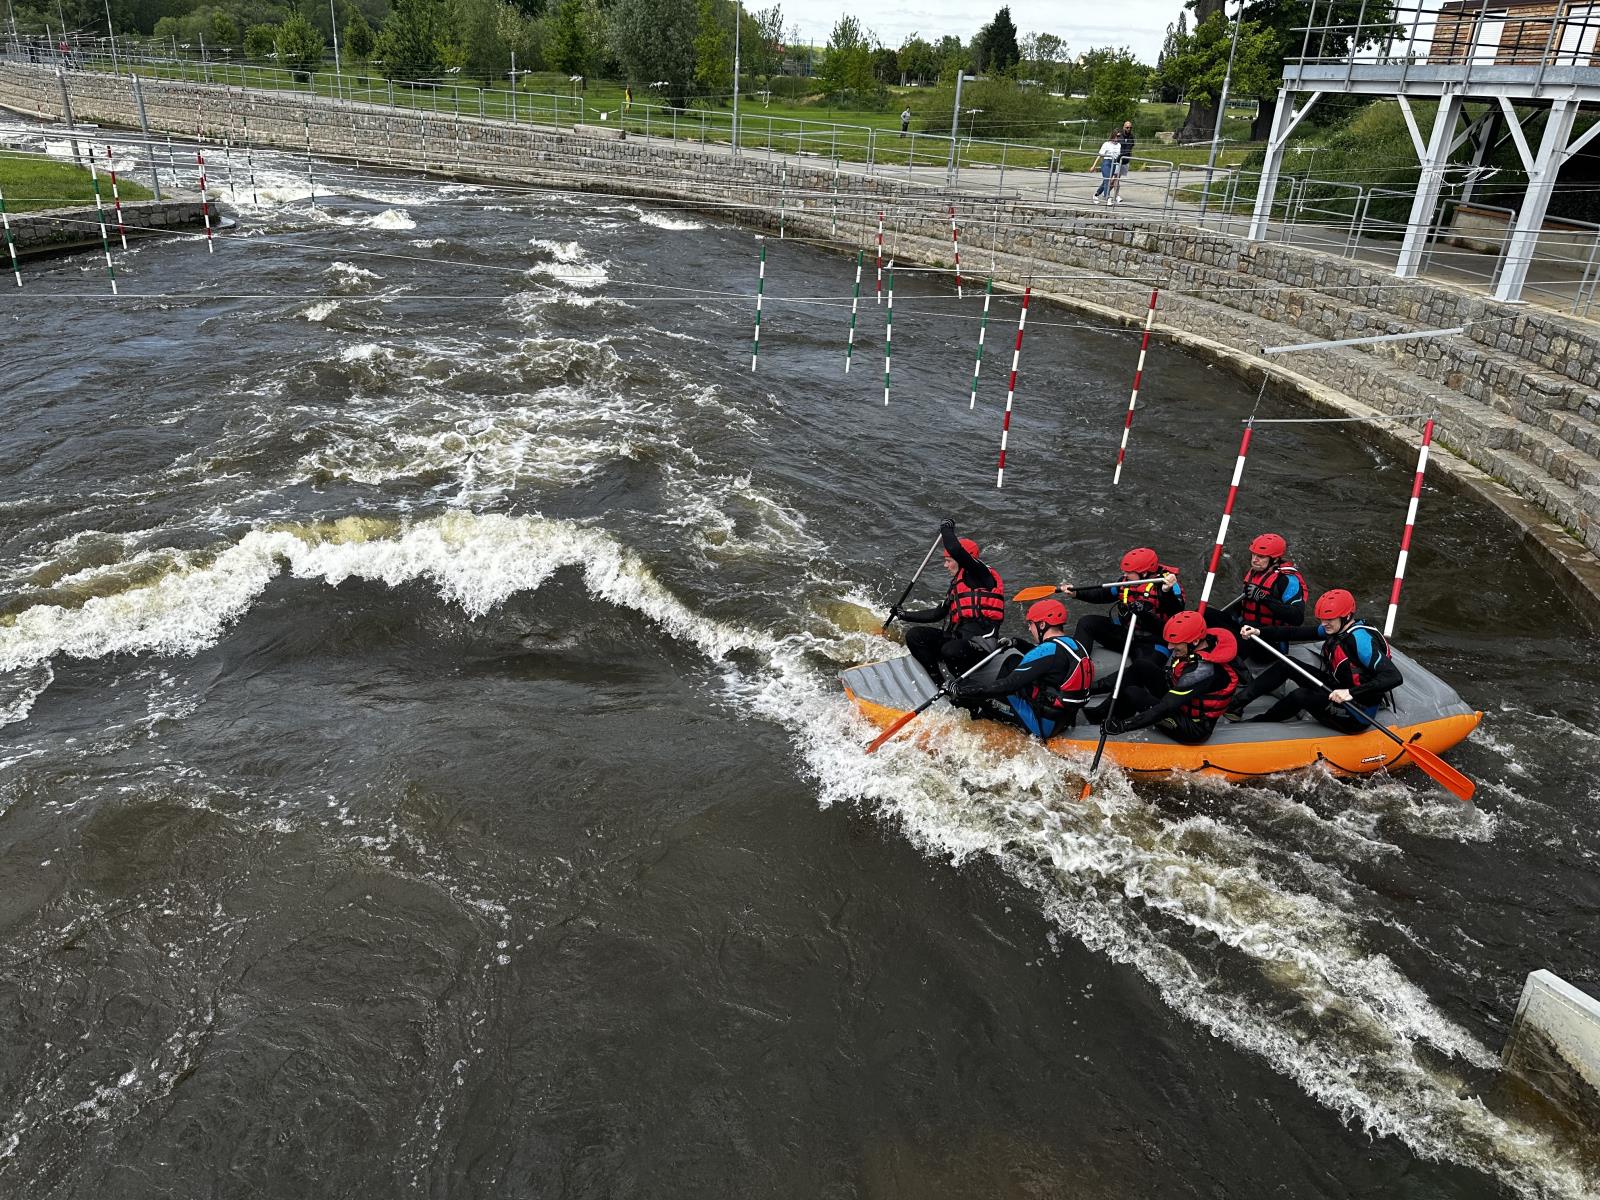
[
  {"x": 1411, "y": 521},
  {"x": 880, "y": 256},
  {"x": 11, "y": 246},
  {"x": 100, "y": 212},
  {"x": 888, "y": 336},
  {"x": 311, "y": 177},
  {"x": 250, "y": 162},
  {"x": 983, "y": 324},
  {"x": 227, "y": 166},
  {"x": 855, "y": 303},
  {"x": 761, "y": 287},
  {"x": 1227, "y": 515},
  {"x": 1011, "y": 388},
  {"x": 116, "y": 197},
  {"x": 1138, "y": 375},
  {"x": 955, "y": 241},
  {"x": 835, "y": 232},
  {"x": 205, "y": 203}
]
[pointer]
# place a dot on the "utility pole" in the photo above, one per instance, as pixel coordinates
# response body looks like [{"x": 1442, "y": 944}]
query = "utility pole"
[
  {"x": 338, "y": 74},
  {"x": 1222, "y": 112},
  {"x": 955, "y": 129},
  {"x": 112, "y": 31},
  {"x": 736, "y": 23}
]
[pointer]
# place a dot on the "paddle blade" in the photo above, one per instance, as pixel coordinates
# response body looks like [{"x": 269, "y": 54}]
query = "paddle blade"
[
  {"x": 1088, "y": 786},
  {"x": 1028, "y": 594},
  {"x": 1447, "y": 777},
  {"x": 872, "y": 746}
]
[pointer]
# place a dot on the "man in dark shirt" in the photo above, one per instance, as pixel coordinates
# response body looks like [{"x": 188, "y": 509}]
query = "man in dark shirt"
[{"x": 975, "y": 606}]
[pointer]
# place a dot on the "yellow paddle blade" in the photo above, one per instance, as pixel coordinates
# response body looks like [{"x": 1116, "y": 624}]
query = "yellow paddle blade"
[{"x": 1029, "y": 594}]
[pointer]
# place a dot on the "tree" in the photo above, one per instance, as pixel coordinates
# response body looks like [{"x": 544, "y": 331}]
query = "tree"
[
  {"x": 1198, "y": 64},
  {"x": 1042, "y": 56},
  {"x": 566, "y": 48},
  {"x": 299, "y": 46},
  {"x": 919, "y": 61},
  {"x": 483, "y": 53},
  {"x": 713, "y": 54},
  {"x": 1118, "y": 83},
  {"x": 995, "y": 48},
  {"x": 258, "y": 40},
  {"x": 847, "y": 70},
  {"x": 1375, "y": 16},
  {"x": 358, "y": 38},
  {"x": 411, "y": 42},
  {"x": 1166, "y": 93},
  {"x": 763, "y": 56},
  {"x": 655, "y": 41},
  {"x": 885, "y": 65}
]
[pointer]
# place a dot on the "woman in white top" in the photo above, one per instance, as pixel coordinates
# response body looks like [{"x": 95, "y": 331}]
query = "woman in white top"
[{"x": 1106, "y": 163}]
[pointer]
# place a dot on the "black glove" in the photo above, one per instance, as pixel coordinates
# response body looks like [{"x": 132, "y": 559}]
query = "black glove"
[
  {"x": 895, "y": 612},
  {"x": 957, "y": 689},
  {"x": 947, "y": 525},
  {"x": 1254, "y": 591},
  {"x": 1115, "y": 725},
  {"x": 1008, "y": 643}
]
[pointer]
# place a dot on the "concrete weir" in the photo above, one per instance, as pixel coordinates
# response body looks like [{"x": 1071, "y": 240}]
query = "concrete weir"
[
  {"x": 1516, "y": 396},
  {"x": 1554, "y": 1046}
]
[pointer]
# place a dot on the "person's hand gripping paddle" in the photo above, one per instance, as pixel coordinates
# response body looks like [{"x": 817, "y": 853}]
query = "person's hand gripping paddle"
[{"x": 895, "y": 610}]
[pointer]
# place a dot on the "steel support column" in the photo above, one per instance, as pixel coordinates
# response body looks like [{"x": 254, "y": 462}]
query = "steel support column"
[
  {"x": 1284, "y": 119},
  {"x": 1553, "y": 152},
  {"x": 1419, "y": 226}
]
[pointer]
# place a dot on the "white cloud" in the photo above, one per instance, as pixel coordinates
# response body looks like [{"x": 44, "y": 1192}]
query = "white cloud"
[{"x": 1138, "y": 24}]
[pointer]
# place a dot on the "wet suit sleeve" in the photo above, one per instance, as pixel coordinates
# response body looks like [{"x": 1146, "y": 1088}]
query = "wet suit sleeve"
[
  {"x": 1385, "y": 675},
  {"x": 1096, "y": 595},
  {"x": 1201, "y": 680},
  {"x": 1170, "y": 602},
  {"x": 1038, "y": 671},
  {"x": 927, "y": 616},
  {"x": 972, "y": 569},
  {"x": 1287, "y": 603}
]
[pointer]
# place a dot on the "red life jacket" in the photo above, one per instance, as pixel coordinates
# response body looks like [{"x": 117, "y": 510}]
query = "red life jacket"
[
  {"x": 1058, "y": 699},
  {"x": 1144, "y": 600},
  {"x": 1212, "y": 705},
  {"x": 983, "y": 605},
  {"x": 1256, "y": 612},
  {"x": 1344, "y": 664}
]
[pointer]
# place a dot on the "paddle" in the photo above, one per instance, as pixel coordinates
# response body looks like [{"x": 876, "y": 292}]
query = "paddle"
[
  {"x": 1111, "y": 709},
  {"x": 925, "y": 560},
  {"x": 1050, "y": 589},
  {"x": 916, "y": 712},
  {"x": 1452, "y": 780}
]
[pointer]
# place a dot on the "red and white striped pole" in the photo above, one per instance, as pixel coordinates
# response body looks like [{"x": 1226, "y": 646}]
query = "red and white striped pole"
[
  {"x": 1411, "y": 521},
  {"x": 855, "y": 303},
  {"x": 1227, "y": 515},
  {"x": 205, "y": 203},
  {"x": 1011, "y": 388},
  {"x": 1138, "y": 375},
  {"x": 116, "y": 198},
  {"x": 955, "y": 241},
  {"x": 880, "y": 256},
  {"x": 11, "y": 246},
  {"x": 888, "y": 337}
]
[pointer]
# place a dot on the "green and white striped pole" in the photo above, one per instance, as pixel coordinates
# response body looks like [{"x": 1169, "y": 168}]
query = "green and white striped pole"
[
  {"x": 311, "y": 178},
  {"x": 888, "y": 335},
  {"x": 983, "y": 324},
  {"x": 5, "y": 219},
  {"x": 855, "y": 305},
  {"x": 100, "y": 212},
  {"x": 250, "y": 161},
  {"x": 761, "y": 287}
]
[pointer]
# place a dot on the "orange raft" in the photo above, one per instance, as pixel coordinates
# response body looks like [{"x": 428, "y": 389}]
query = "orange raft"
[{"x": 1426, "y": 711}]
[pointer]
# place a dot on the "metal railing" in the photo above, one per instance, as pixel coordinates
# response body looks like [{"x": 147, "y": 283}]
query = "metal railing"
[{"x": 1464, "y": 33}]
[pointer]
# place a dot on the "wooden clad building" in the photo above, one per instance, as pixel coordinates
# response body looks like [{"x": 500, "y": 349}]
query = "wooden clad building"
[{"x": 1517, "y": 33}]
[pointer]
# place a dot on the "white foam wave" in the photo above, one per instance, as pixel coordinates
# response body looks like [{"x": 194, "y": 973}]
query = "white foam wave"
[
  {"x": 320, "y": 311},
  {"x": 565, "y": 252},
  {"x": 390, "y": 218},
  {"x": 660, "y": 220},
  {"x": 578, "y": 275}
]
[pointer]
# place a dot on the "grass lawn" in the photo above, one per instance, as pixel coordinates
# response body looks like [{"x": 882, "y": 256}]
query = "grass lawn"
[
  {"x": 34, "y": 181},
  {"x": 804, "y": 126}
]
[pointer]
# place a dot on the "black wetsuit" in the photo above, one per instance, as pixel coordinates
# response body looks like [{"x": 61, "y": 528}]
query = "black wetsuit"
[
  {"x": 1285, "y": 604},
  {"x": 1111, "y": 630},
  {"x": 1150, "y": 696},
  {"x": 951, "y": 644},
  {"x": 1046, "y": 688}
]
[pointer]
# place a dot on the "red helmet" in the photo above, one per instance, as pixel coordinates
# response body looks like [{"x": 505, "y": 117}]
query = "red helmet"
[
  {"x": 1047, "y": 612},
  {"x": 1224, "y": 646},
  {"x": 1187, "y": 627},
  {"x": 1337, "y": 603},
  {"x": 1140, "y": 561},
  {"x": 970, "y": 546},
  {"x": 1269, "y": 545}
]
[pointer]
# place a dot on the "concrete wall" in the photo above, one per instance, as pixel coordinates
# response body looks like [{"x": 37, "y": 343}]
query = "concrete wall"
[
  {"x": 56, "y": 229},
  {"x": 1554, "y": 1046},
  {"x": 1515, "y": 396}
]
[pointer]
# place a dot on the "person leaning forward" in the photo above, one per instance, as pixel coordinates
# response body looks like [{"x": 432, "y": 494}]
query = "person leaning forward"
[
  {"x": 1153, "y": 602},
  {"x": 973, "y": 607},
  {"x": 1356, "y": 665},
  {"x": 1184, "y": 697},
  {"x": 1047, "y": 689}
]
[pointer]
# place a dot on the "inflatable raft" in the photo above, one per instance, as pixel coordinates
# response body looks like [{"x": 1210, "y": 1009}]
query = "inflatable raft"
[{"x": 1426, "y": 711}]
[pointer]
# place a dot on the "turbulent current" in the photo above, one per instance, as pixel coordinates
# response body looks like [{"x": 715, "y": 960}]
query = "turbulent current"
[{"x": 424, "y": 771}]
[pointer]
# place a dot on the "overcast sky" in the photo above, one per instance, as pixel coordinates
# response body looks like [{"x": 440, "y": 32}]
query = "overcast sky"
[{"x": 1138, "y": 24}]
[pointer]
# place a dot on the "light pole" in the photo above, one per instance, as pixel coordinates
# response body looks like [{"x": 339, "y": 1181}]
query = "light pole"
[
  {"x": 736, "y": 23},
  {"x": 338, "y": 74},
  {"x": 955, "y": 128},
  {"x": 110, "y": 30},
  {"x": 1222, "y": 111}
]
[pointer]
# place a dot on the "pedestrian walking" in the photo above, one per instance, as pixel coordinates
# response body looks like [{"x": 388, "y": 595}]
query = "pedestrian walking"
[
  {"x": 1106, "y": 163},
  {"x": 1125, "y": 139},
  {"x": 905, "y": 122}
]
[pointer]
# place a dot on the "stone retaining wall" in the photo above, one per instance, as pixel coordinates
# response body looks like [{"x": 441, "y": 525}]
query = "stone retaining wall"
[
  {"x": 1515, "y": 396},
  {"x": 51, "y": 230}
]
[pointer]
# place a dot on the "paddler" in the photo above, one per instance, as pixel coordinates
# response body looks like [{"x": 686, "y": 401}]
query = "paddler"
[
  {"x": 1185, "y": 697},
  {"x": 1048, "y": 688},
  {"x": 1154, "y": 602},
  {"x": 973, "y": 607},
  {"x": 1274, "y": 595},
  {"x": 1356, "y": 664}
]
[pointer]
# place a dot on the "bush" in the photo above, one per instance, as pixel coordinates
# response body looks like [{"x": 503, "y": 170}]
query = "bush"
[
  {"x": 793, "y": 87},
  {"x": 1006, "y": 111},
  {"x": 258, "y": 40},
  {"x": 299, "y": 46}
]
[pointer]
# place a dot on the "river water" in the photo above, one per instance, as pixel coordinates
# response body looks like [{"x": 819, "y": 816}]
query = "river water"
[{"x": 424, "y": 771}]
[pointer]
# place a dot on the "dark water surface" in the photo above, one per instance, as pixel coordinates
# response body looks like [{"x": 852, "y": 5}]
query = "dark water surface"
[{"x": 424, "y": 771}]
